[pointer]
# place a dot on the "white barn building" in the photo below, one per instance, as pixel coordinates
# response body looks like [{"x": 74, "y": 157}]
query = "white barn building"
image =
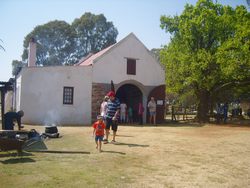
[{"x": 72, "y": 94}]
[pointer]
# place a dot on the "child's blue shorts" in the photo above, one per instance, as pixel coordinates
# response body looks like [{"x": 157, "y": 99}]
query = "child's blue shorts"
[{"x": 98, "y": 138}]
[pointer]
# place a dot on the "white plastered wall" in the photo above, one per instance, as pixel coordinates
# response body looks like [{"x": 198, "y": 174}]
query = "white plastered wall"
[{"x": 41, "y": 95}]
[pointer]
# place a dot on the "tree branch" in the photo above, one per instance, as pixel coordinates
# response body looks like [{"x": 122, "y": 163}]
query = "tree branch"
[{"x": 231, "y": 84}]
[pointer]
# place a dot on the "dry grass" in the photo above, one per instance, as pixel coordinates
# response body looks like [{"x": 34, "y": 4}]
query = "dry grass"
[{"x": 164, "y": 156}]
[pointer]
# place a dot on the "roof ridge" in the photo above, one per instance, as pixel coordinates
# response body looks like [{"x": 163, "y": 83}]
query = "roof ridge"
[
  {"x": 84, "y": 58},
  {"x": 89, "y": 61}
]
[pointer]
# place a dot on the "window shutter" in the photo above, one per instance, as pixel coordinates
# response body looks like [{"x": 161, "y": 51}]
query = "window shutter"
[{"x": 131, "y": 66}]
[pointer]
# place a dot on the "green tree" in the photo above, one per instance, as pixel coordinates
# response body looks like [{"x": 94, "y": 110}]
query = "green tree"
[
  {"x": 94, "y": 33},
  {"x": 16, "y": 67},
  {"x": 208, "y": 52},
  {"x": 55, "y": 43},
  {"x": 59, "y": 43},
  {"x": 156, "y": 53}
]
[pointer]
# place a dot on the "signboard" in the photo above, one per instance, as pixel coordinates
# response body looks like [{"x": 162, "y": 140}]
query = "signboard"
[{"x": 159, "y": 102}]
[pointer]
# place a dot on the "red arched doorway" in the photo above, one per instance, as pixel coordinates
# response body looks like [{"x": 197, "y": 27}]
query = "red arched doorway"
[{"x": 159, "y": 94}]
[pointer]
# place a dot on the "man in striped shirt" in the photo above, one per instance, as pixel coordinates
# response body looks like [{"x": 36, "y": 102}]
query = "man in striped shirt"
[{"x": 112, "y": 115}]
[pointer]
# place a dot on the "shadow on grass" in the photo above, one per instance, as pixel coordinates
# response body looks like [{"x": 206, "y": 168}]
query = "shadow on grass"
[
  {"x": 18, "y": 160},
  {"x": 61, "y": 152},
  {"x": 130, "y": 145},
  {"x": 122, "y": 153},
  {"x": 14, "y": 154}
]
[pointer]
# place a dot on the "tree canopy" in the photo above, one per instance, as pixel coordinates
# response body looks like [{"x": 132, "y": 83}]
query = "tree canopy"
[
  {"x": 93, "y": 33},
  {"x": 209, "y": 50},
  {"x": 59, "y": 43},
  {"x": 55, "y": 43},
  {"x": 16, "y": 67}
]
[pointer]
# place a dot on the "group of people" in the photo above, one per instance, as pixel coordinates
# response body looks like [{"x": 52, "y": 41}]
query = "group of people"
[
  {"x": 129, "y": 114},
  {"x": 110, "y": 112},
  {"x": 108, "y": 118},
  {"x": 221, "y": 112}
]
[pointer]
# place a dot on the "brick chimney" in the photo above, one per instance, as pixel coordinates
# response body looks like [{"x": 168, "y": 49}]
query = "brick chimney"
[{"x": 32, "y": 53}]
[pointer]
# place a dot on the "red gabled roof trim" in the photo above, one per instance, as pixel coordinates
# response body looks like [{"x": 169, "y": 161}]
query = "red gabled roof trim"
[{"x": 89, "y": 59}]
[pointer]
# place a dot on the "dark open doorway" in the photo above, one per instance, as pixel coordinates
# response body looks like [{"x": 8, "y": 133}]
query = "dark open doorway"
[{"x": 131, "y": 95}]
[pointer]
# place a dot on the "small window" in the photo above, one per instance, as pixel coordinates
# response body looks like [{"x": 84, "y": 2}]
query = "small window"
[
  {"x": 131, "y": 66},
  {"x": 68, "y": 95}
]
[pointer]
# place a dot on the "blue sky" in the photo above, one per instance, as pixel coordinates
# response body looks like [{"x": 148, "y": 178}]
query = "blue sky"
[{"x": 142, "y": 17}]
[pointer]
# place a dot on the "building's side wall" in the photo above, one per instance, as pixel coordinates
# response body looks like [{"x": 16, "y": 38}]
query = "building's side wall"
[{"x": 42, "y": 95}]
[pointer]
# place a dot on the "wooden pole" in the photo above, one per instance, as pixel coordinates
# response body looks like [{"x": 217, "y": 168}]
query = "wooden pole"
[
  {"x": 2, "y": 106},
  {"x": 112, "y": 87}
]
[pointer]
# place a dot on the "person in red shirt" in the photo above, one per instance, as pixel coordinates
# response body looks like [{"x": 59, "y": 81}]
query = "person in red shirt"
[{"x": 98, "y": 132}]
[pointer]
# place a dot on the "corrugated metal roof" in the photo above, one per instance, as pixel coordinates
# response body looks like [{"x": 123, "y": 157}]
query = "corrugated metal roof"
[{"x": 89, "y": 59}]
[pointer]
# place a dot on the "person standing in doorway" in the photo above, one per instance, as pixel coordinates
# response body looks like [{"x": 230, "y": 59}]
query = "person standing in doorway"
[
  {"x": 140, "y": 113},
  {"x": 113, "y": 110},
  {"x": 152, "y": 111},
  {"x": 130, "y": 115},
  {"x": 123, "y": 107}
]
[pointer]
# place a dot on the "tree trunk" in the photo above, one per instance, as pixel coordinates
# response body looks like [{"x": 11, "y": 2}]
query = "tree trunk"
[{"x": 203, "y": 106}]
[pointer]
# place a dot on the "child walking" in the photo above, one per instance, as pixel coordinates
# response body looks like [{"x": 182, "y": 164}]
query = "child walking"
[{"x": 98, "y": 132}]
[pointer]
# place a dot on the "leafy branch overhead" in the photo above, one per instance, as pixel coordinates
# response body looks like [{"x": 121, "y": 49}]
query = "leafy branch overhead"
[{"x": 60, "y": 43}]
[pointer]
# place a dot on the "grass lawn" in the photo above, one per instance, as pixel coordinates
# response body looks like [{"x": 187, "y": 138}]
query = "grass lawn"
[{"x": 165, "y": 156}]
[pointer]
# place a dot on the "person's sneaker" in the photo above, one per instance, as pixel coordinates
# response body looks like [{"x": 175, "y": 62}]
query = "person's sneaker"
[
  {"x": 105, "y": 141},
  {"x": 113, "y": 141}
]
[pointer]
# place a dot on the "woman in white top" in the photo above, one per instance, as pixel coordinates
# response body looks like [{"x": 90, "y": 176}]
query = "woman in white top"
[
  {"x": 123, "y": 109},
  {"x": 103, "y": 108},
  {"x": 152, "y": 110}
]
